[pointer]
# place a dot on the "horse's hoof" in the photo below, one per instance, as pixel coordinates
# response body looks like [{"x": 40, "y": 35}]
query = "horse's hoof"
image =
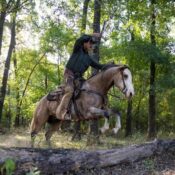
[
  {"x": 102, "y": 130},
  {"x": 115, "y": 130}
]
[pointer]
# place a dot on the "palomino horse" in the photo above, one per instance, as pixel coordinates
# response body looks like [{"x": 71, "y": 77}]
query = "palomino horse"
[{"x": 91, "y": 102}]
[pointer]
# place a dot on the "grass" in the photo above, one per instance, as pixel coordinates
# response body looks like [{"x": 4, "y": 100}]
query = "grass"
[{"x": 21, "y": 138}]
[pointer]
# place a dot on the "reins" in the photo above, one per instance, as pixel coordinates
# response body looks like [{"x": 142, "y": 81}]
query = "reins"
[
  {"x": 113, "y": 95},
  {"x": 124, "y": 88}
]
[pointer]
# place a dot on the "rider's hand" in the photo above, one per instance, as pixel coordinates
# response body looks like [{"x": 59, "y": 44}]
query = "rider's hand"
[{"x": 96, "y": 35}]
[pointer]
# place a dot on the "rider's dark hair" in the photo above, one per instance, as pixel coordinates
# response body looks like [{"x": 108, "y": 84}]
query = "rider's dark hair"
[{"x": 80, "y": 41}]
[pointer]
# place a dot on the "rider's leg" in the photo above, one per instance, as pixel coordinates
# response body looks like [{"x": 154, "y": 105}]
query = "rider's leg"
[{"x": 63, "y": 107}]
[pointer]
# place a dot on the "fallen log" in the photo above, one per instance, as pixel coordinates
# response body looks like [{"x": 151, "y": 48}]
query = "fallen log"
[{"x": 59, "y": 161}]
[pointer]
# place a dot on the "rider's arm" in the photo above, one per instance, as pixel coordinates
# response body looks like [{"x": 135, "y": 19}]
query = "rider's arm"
[{"x": 95, "y": 64}]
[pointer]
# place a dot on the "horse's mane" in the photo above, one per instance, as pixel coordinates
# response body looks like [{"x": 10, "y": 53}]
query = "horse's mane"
[{"x": 106, "y": 67}]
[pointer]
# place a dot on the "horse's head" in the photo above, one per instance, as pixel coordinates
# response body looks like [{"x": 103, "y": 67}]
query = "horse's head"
[{"x": 123, "y": 80}]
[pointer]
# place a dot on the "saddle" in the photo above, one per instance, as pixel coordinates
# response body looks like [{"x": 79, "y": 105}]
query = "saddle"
[
  {"x": 56, "y": 95},
  {"x": 59, "y": 92}
]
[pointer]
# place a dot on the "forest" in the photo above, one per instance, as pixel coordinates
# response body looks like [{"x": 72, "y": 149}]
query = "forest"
[{"x": 37, "y": 39}]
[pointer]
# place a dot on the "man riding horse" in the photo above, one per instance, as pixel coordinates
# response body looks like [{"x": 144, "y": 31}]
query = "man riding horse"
[{"x": 78, "y": 63}]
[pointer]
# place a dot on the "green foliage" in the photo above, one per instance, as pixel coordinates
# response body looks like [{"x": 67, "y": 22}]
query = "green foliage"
[
  {"x": 8, "y": 167},
  {"x": 56, "y": 38}
]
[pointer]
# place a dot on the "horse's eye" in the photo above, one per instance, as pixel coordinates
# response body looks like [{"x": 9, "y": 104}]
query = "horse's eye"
[{"x": 125, "y": 76}]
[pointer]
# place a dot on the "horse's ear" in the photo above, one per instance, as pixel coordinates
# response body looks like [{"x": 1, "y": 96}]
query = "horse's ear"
[
  {"x": 123, "y": 67},
  {"x": 111, "y": 62}
]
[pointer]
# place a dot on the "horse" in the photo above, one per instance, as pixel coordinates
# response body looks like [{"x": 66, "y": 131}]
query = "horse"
[{"x": 90, "y": 103}]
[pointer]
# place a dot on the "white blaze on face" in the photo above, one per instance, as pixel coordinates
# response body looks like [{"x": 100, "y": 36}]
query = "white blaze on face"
[{"x": 128, "y": 82}]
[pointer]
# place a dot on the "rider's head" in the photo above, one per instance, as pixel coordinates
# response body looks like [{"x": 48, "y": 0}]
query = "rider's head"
[
  {"x": 86, "y": 42},
  {"x": 88, "y": 45}
]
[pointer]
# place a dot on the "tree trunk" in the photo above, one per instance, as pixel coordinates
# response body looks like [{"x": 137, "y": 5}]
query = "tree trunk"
[
  {"x": 77, "y": 125},
  {"x": 93, "y": 137},
  {"x": 2, "y": 20},
  {"x": 128, "y": 130},
  {"x": 46, "y": 78},
  {"x": 65, "y": 161},
  {"x": 137, "y": 116},
  {"x": 7, "y": 66},
  {"x": 152, "y": 94},
  {"x": 8, "y": 112},
  {"x": 84, "y": 18},
  {"x": 17, "y": 117}
]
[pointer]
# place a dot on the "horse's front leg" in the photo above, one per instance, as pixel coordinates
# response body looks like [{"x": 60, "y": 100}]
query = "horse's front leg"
[
  {"x": 107, "y": 113},
  {"x": 102, "y": 112},
  {"x": 105, "y": 126},
  {"x": 118, "y": 123}
]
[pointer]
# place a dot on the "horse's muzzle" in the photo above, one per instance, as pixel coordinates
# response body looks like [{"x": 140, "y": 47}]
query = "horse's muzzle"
[{"x": 130, "y": 94}]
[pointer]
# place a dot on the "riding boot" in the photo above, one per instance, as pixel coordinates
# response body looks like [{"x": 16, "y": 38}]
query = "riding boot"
[{"x": 63, "y": 107}]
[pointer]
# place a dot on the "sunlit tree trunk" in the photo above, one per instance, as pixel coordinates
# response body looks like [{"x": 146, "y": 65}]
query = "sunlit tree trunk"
[
  {"x": 77, "y": 125},
  {"x": 94, "y": 129},
  {"x": 152, "y": 94}
]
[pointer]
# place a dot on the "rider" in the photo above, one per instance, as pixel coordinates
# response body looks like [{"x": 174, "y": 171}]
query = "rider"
[{"x": 77, "y": 64}]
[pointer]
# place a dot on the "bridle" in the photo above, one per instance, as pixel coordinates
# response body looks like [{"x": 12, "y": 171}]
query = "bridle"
[{"x": 124, "y": 90}]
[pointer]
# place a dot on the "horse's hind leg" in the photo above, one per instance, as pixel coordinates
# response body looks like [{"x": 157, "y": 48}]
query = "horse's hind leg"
[
  {"x": 33, "y": 136},
  {"x": 33, "y": 132},
  {"x": 36, "y": 126},
  {"x": 52, "y": 128}
]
